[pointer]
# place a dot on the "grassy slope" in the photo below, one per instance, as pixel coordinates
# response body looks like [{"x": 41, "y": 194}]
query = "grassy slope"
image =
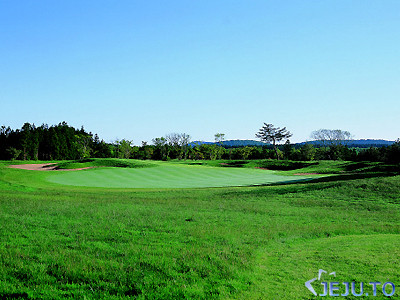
[
  {"x": 107, "y": 162},
  {"x": 291, "y": 167},
  {"x": 249, "y": 242}
]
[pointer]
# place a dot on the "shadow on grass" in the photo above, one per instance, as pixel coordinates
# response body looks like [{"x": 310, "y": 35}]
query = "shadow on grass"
[
  {"x": 371, "y": 167},
  {"x": 285, "y": 165},
  {"x": 235, "y": 164},
  {"x": 304, "y": 185},
  {"x": 275, "y": 165},
  {"x": 336, "y": 178},
  {"x": 15, "y": 296},
  {"x": 347, "y": 177}
]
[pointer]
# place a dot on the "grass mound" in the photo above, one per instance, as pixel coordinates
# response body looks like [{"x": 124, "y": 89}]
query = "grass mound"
[
  {"x": 349, "y": 167},
  {"x": 102, "y": 162},
  {"x": 320, "y": 167},
  {"x": 276, "y": 165}
]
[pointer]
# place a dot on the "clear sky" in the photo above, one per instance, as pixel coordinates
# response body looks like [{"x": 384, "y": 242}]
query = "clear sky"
[{"x": 142, "y": 69}]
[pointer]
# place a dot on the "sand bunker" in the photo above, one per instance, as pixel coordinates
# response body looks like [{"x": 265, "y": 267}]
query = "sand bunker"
[{"x": 43, "y": 167}]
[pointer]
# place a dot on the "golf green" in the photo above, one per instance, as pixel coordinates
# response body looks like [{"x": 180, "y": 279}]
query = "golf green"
[{"x": 169, "y": 175}]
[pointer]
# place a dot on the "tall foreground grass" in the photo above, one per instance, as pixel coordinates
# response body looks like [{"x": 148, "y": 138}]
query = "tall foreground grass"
[{"x": 248, "y": 243}]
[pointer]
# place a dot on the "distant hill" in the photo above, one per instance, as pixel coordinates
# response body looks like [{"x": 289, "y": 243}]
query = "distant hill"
[
  {"x": 198, "y": 143},
  {"x": 231, "y": 143},
  {"x": 357, "y": 143},
  {"x": 366, "y": 143},
  {"x": 242, "y": 143}
]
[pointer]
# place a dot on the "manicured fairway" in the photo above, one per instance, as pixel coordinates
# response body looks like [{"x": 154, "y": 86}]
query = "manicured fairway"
[{"x": 169, "y": 175}]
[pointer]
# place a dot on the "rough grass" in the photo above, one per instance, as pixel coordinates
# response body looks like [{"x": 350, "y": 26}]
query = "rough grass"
[{"x": 263, "y": 242}]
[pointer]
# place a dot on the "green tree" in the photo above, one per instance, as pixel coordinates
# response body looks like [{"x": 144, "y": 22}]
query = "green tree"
[
  {"x": 82, "y": 144},
  {"x": 26, "y": 140},
  {"x": 219, "y": 139},
  {"x": 307, "y": 152},
  {"x": 173, "y": 141},
  {"x": 197, "y": 153},
  {"x": 210, "y": 151},
  {"x": 288, "y": 150},
  {"x": 184, "y": 141},
  {"x": 161, "y": 148},
  {"x": 245, "y": 152},
  {"x": 124, "y": 148},
  {"x": 13, "y": 153},
  {"x": 393, "y": 152},
  {"x": 268, "y": 133}
]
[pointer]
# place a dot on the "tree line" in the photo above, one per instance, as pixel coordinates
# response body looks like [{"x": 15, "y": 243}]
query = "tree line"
[
  {"x": 64, "y": 142},
  {"x": 45, "y": 142}
]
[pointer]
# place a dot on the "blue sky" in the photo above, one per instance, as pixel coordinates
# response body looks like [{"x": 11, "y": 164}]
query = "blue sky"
[{"x": 143, "y": 69}]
